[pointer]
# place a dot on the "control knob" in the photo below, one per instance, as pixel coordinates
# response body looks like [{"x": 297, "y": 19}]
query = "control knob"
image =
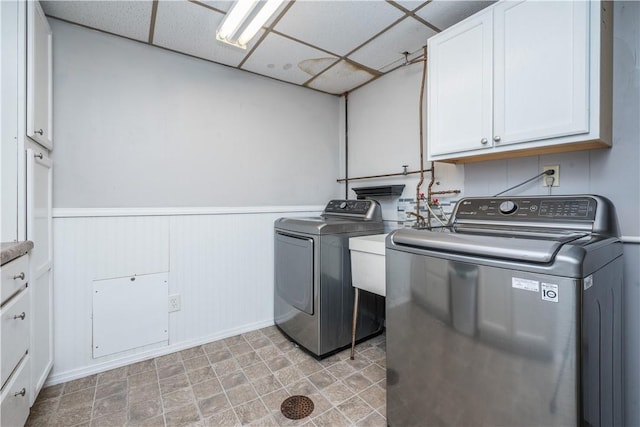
[
  {"x": 343, "y": 205},
  {"x": 508, "y": 207}
]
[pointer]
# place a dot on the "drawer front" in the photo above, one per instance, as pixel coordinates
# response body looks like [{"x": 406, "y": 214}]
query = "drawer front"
[
  {"x": 15, "y": 275},
  {"x": 14, "y": 321},
  {"x": 15, "y": 397}
]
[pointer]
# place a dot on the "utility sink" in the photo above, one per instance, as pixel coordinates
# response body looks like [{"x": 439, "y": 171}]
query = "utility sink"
[{"x": 367, "y": 263}]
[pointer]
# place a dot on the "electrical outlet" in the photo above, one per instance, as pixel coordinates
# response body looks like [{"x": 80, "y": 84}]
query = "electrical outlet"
[
  {"x": 547, "y": 178},
  {"x": 174, "y": 303}
]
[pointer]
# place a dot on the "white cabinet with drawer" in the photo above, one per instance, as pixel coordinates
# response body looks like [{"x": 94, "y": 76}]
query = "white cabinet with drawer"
[
  {"x": 15, "y": 317},
  {"x": 15, "y": 340},
  {"x": 14, "y": 277},
  {"x": 14, "y": 409}
]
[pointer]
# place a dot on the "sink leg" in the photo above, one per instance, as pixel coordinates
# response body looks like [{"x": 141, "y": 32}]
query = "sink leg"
[{"x": 355, "y": 322}]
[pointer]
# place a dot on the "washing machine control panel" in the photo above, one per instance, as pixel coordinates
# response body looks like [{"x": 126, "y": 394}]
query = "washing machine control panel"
[{"x": 572, "y": 208}]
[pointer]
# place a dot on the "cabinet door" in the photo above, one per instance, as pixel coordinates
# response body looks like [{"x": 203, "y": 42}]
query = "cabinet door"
[
  {"x": 39, "y": 191},
  {"x": 541, "y": 65},
  {"x": 460, "y": 87},
  {"x": 39, "y": 82},
  {"x": 9, "y": 120}
]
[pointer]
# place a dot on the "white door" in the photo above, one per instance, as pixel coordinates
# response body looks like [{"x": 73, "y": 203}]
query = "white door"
[
  {"x": 541, "y": 65},
  {"x": 460, "y": 87},
  {"x": 39, "y": 231},
  {"x": 39, "y": 76}
]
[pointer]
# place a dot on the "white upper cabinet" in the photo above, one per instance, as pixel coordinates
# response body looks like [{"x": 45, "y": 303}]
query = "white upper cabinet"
[
  {"x": 521, "y": 78},
  {"x": 460, "y": 87},
  {"x": 39, "y": 72}
]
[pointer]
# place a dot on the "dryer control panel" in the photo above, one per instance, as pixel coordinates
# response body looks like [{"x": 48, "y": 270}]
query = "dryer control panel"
[{"x": 364, "y": 209}]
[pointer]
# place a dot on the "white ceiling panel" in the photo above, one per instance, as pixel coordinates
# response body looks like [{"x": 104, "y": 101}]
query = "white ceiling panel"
[
  {"x": 341, "y": 78},
  {"x": 410, "y": 4},
  {"x": 337, "y": 26},
  {"x": 409, "y": 35},
  {"x": 130, "y": 19},
  {"x": 222, "y": 5},
  {"x": 445, "y": 13},
  {"x": 316, "y": 33},
  {"x": 190, "y": 28},
  {"x": 287, "y": 60}
]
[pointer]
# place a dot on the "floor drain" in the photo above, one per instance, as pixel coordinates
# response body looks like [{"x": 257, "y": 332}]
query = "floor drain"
[{"x": 296, "y": 407}]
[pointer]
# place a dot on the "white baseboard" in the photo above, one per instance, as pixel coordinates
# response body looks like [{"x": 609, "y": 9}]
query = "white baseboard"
[{"x": 63, "y": 377}]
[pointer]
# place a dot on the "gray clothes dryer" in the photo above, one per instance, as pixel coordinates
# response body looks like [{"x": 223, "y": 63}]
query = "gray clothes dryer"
[{"x": 313, "y": 301}]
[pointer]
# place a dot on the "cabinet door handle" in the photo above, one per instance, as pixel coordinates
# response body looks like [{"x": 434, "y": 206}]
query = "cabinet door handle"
[
  {"x": 20, "y": 393},
  {"x": 484, "y": 141},
  {"x": 20, "y": 316},
  {"x": 19, "y": 276},
  {"x": 41, "y": 132},
  {"x": 496, "y": 138}
]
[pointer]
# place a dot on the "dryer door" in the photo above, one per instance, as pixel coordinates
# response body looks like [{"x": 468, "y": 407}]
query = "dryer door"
[{"x": 294, "y": 270}]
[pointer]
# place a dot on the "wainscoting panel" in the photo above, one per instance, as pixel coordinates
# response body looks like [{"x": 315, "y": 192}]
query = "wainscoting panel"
[{"x": 220, "y": 262}]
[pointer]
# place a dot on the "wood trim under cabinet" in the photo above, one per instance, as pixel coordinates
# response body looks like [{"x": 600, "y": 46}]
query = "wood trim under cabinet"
[{"x": 537, "y": 151}]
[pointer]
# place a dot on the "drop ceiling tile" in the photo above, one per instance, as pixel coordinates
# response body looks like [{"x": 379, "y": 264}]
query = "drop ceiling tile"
[
  {"x": 190, "y": 28},
  {"x": 410, "y": 4},
  {"x": 129, "y": 18},
  {"x": 337, "y": 26},
  {"x": 445, "y": 13},
  {"x": 341, "y": 78},
  {"x": 287, "y": 60},
  {"x": 222, "y": 5},
  {"x": 409, "y": 35}
]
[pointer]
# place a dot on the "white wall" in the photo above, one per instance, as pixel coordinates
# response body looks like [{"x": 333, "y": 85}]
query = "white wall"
[
  {"x": 165, "y": 163},
  {"x": 384, "y": 135},
  {"x": 613, "y": 173},
  {"x": 220, "y": 261},
  {"x": 140, "y": 126}
]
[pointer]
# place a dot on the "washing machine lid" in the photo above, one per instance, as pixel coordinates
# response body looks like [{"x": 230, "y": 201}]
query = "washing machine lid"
[
  {"x": 528, "y": 229},
  {"x": 521, "y": 245}
]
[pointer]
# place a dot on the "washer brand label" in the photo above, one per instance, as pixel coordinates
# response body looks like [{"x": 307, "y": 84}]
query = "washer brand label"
[
  {"x": 588, "y": 282},
  {"x": 549, "y": 292},
  {"x": 525, "y": 284}
]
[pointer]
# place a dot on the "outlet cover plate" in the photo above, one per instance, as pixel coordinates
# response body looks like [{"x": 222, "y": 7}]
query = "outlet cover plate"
[
  {"x": 556, "y": 175},
  {"x": 174, "y": 303}
]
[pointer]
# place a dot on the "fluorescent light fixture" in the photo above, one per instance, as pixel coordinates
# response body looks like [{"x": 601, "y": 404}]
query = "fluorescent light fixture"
[{"x": 244, "y": 20}]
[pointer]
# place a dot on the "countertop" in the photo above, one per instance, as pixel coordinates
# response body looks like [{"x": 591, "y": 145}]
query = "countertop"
[{"x": 13, "y": 250}]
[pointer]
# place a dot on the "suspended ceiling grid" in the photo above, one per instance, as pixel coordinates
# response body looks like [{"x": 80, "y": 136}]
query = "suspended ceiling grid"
[{"x": 332, "y": 46}]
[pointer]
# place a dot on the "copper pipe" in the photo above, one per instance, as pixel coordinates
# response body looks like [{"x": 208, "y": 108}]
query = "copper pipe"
[
  {"x": 424, "y": 79},
  {"x": 429, "y": 191},
  {"x": 380, "y": 176},
  {"x": 446, "y": 192},
  {"x": 346, "y": 145}
]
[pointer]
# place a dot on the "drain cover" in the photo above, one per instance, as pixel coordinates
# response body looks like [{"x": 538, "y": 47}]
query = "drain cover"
[{"x": 296, "y": 407}]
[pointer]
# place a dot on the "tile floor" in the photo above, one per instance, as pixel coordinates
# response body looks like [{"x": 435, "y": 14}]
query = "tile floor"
[{"x": 240, "y": 380}]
